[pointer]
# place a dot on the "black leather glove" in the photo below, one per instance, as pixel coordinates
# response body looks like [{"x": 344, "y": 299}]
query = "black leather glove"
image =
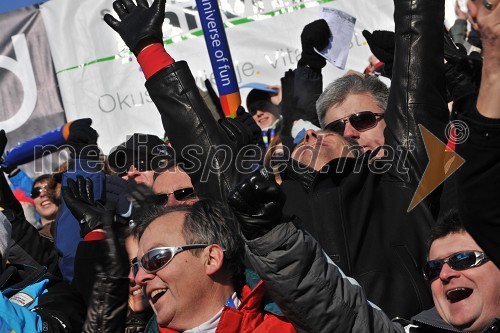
[
  {"x": 116, "y": 194},
  {"x": 453, "y": 53},
  {"x": 247, "y": 120},
  {"x": 83, "y": 139},
  {"x": 462, "y": 71},
  {"x": 382, "y": 46},
  {"x": 117, "y": 197},
  {"x": 141, "y": 196},
  {"x": 117, "y": 263},
  {"x": 243, "y": 129},
  {"x": 458, "y": 84},
  {"x": 314, "y": 35},
  {"x": 258, "y": 204},
  {"x": 3, "y": 143},
  {"x": 79, "y": 197},
  {"x": 140, "y": 24}
]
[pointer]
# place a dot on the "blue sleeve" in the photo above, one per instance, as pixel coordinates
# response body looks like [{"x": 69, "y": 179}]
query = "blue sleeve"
[
  {"x": 23, "y": 181},
  {"x": 67, "y": 229},
  {"x": 18, "y": 318}
]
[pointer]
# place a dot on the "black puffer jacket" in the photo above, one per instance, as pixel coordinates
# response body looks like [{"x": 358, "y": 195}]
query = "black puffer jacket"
[{"x": 359, "y": 214}]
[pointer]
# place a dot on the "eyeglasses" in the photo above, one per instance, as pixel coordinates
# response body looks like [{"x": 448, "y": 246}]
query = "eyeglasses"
[
  {"x": 179, "y": 195},
  {"x": 157, "y": 258},
  {"x": 37, "y": 191},
  {"x": 361, "y": 121},
  {"x": 457, "y": 261}
]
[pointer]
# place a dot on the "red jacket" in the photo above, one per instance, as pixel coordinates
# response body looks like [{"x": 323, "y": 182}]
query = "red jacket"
[{"x": 248, "y": 318}]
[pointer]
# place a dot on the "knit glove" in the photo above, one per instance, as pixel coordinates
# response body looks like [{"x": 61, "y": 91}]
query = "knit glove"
[
  {"x": 315, "y": 35},
  {"x": 382, "y": 45}
]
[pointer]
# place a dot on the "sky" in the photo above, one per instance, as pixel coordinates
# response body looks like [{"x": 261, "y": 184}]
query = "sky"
[{"x": 8, "y": 5}]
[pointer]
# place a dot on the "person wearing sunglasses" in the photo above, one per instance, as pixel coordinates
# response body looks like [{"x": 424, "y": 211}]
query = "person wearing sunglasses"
[
  {"x": 173, "y": 187},
  {"x": 45, "y": 198},
  {"x": 354, "y": 106},
  {"x": 465, "y": 283},
  {"x": 190, "y": 265},
  {"x": 316, "y": 295},
  {"x": 140, "y": 157}
]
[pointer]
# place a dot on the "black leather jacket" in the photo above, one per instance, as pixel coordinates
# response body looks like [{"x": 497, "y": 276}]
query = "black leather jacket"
[
  {"x": 360, "y": 216},
  {"x": 204, "y": 148}
]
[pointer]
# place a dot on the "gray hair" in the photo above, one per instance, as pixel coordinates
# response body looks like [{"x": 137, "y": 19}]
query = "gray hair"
[
  {"x": 206, "y": 222},
  {"x": 337, "y": 91}
]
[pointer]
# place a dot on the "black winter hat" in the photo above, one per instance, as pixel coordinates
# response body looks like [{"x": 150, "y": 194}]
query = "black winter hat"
[{"x": 144, "y": 151}]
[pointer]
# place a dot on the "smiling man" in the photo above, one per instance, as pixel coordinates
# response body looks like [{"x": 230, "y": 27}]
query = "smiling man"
[
  {"x": 465, "y": 283},
  {"x": 316, "y": 296},
  {"x": 191, "y": 269}
]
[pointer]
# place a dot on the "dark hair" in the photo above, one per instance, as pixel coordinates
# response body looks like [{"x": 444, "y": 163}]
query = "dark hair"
[
  {"x": 449, "y": 223},
  {"x": 40, "y": 179},
  {"x": 53, "y": 188},
  {"x": 206, "y": 222}
]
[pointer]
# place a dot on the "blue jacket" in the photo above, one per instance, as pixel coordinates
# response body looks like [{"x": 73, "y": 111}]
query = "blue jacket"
[
  {"x": 67, "y": 229},
  {"x": 33, "y": 301}
]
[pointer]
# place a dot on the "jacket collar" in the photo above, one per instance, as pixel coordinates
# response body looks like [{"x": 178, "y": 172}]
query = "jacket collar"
[
  {"x": 231, "y": 319},
  {"x": 336, "y": 169},
  {"x": 18, "y": 277},
  {"x": 431, "y": 318}
]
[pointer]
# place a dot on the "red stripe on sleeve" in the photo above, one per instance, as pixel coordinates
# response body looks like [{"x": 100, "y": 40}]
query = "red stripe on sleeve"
[
  {"x": 95, "y": 235},
  {"x": 153, "y": 58}
]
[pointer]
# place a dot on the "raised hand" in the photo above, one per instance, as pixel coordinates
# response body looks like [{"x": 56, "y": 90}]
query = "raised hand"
[
  {"x": 140, "y": 24},
  {"x": 258, "y": 204},
  {"x": 79, "y": 197}
]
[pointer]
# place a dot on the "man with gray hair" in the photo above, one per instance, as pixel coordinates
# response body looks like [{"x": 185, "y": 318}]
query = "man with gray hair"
[
  {"x": 353, "y": 106},
  {"x": 190, "y": 265},
  {"x": 357, "y": 208}
]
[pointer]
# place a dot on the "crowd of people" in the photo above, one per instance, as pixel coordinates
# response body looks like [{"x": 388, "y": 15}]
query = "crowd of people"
[{"x": 291, "y": 217}]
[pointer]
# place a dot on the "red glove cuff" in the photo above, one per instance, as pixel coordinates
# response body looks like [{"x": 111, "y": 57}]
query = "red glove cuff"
[
  {"x": 95, "y": 235},
  {"x": 153, "y": 58}
]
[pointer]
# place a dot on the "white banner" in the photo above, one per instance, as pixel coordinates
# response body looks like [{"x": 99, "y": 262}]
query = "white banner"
[{"x": 101, "y": 80}]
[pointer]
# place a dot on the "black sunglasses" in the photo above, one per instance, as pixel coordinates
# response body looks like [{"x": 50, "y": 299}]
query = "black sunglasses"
[
  {"x": 361, "y": 121},
  {"x": 157, "y": 258},
  {"x": 457, "y": 261},
  {"x": 36, "y": 191},
  {"x": 179, "y": 195}
]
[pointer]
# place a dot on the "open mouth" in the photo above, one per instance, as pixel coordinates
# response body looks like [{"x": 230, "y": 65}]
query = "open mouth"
[
  {"x": 458, "y": 294},
  {"x": 137, "y": 292},
  {"x": 45, "y": 204},
  {"x": 156, "y": 294}
]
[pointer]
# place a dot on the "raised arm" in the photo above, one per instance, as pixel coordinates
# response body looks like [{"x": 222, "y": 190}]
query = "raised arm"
[
  {"x": 207, "y": 148},
  {"x": 312, "y": 291},
  {"x": 479, "y": 177},
  {"x": 417, "y": 94}
]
